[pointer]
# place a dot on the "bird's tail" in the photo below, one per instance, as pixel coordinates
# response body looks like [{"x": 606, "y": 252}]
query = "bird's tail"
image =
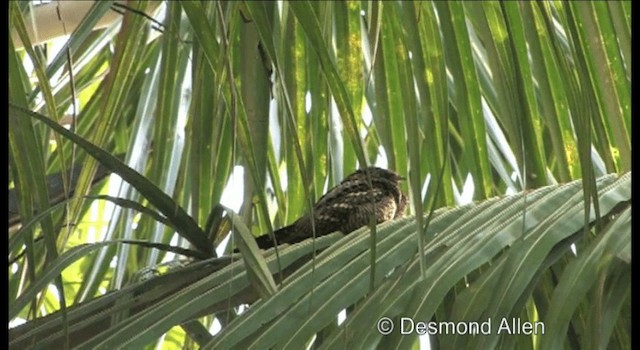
[{"x": 283, "y": 235}]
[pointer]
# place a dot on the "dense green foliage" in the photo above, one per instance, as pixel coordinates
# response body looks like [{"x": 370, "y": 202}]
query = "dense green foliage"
[{"x": 471, "y": 101}]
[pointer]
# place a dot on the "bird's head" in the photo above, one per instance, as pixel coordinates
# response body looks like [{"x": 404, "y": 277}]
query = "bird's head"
[{"x": 376, "y": 173}]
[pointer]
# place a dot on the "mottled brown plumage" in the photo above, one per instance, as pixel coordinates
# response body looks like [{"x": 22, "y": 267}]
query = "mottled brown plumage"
[{"x": 347, "y": 207}]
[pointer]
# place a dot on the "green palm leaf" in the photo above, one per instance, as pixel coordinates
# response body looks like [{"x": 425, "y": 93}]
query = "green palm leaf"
[{"x": 507, "y": 119}]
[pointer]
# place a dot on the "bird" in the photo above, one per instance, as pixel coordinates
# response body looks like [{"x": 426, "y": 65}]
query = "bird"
[{"x": 347, "y": 207}]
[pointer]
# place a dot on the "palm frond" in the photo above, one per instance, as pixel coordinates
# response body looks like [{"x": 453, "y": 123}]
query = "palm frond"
[{"x": 222, "y": 117}]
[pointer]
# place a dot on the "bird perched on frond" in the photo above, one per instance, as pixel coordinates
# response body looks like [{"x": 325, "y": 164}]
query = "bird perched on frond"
[{"x": 347, "y": 207}]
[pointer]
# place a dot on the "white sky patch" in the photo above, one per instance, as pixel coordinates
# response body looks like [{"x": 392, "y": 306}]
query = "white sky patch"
[
  {"x": 598, "y": 163},
  {"x": 53, "y": 47},
  {"x": 234, "y": 191},
  {"x": 425, "y": 343},
  {"x": 514, "y": 177},
  {"x": 510, "y": 190},
  {"x": 284, "y": 179},
  {"x": 342, "y": 316},
  {"x": 16, "y": 322},
  {"x": 466, "y": 195},
  {"x": 425, "y": 185},
  {"x": 185, "y": 101},
  {"x": 307, "y": 102},
  {"x": 28, "y": 65},
  {"x": 114, "y": 184},
  {"x": 382, "y": 161},
  {"x": 279, "y": 5},
  {"x": 114, "y": 262},
  {"x": 311, "y": 342},
  {"x": 274, "y": 127},
  {"x": 497, "y": 135},
  {"x": 551, "y": 179},
  {"x": 231, "y": 198},
  {"x": 367, "y": 116},
  {"x": 336, "y": 142},
  {"x": 220, "y": 250},
  {"x": 499, "y": 166},
  {"x": 160, "y": 344},
  {"x": 54, "y": 291},
  {"x": 169, "y": 256},
  {"x": 216, "y": 327}
]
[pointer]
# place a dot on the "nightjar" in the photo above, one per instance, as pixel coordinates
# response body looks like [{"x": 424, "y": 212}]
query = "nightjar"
[{"x": 347, "y": 207}]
